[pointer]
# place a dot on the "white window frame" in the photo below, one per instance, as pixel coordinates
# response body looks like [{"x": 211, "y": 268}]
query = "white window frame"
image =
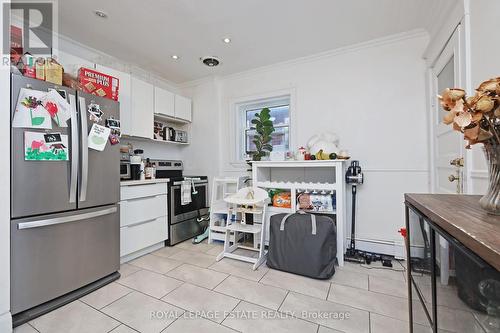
[
  {"x": 258, "y": 104},
  {"x": 232, "y": 161}
]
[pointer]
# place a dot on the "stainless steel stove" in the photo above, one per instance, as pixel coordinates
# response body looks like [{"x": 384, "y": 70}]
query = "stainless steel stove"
[{"x": 184, "y": 221}]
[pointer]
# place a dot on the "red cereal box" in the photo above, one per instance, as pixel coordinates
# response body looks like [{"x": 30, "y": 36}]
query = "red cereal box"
[{"x": 99, "y": 84}]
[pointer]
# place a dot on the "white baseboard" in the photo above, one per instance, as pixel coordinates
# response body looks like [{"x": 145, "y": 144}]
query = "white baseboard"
[
  {"x": 391, "y": 248},
  {"x": 6, "y": 322},
  {"x": 142, "y": 252}
]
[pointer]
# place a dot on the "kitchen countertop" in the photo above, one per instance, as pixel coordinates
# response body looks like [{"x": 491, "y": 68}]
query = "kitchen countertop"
[
  {"x": 144, "y": 182},
  {"x": 462, "y": 217}
]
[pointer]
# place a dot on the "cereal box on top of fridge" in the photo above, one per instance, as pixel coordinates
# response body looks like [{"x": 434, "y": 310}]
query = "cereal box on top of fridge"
[{"x": 99, "y": 84}]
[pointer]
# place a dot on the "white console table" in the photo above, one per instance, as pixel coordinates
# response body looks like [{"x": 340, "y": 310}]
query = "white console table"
[{"x": 328, "y": 175}]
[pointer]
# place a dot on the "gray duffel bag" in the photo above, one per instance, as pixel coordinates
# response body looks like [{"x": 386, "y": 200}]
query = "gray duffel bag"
[{"x": 304, "y": 244}]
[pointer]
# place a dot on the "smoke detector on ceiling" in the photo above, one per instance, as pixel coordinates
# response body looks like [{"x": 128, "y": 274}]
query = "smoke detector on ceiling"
[{"x": 210, "y": 61}]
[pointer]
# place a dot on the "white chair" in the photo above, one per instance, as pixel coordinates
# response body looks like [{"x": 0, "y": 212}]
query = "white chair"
[{"x": 248, "y": 200}]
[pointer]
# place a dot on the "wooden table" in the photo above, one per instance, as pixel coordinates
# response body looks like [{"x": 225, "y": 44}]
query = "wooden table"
[
  {"x": 462, "y": 218},
  {"x": 474, "y": 240}
]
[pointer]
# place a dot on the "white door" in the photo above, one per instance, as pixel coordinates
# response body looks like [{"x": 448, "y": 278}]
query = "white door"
[
  {"x": 124, "y": 91},
  {"x": 142, "y": 108},
  {"x": 447, "y": 145}
]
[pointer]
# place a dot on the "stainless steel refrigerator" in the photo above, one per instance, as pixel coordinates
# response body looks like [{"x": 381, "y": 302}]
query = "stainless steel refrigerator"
[{"x": 64, "y": 214}]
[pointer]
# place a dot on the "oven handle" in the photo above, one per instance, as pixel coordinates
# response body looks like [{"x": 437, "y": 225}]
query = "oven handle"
[{"x": 196, "y": 182}]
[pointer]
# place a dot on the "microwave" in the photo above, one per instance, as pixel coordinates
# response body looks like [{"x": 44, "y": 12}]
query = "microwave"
[{"x": 125, "y": 173}]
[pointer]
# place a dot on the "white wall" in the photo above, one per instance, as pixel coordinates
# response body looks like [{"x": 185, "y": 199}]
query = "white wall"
[
  {"x": 201, "y": 157},
  {"x": 5, "y": 317},
  {"x": 485, "y": 64},
  {"x": 372, "y": 95}
]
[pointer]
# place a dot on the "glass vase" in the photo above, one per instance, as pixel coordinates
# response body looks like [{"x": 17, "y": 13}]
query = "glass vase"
[{"x": 490, "y": 202}]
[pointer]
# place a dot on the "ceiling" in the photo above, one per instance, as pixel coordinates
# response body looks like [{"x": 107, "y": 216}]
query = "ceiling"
[{"x": 147, "y": 33}]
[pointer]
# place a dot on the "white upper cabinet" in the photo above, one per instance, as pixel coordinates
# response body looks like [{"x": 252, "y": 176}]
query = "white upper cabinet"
[
  {"x": 124, "y": 96},
  {"x": 183, "y": 108},
  {"x": 164, "y": 102},
  {"x": 142, "y": 108},
  {"x": 72, "y": 63}
]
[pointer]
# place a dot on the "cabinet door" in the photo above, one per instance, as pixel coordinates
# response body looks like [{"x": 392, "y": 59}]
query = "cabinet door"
[
  {"x": 72, "y": 63},
  {"x": 142, "y": 108},
  {"x": 164, "y": 102},
  {"x": 182, "y": 108},
  {"x": 124, "y": 97}
]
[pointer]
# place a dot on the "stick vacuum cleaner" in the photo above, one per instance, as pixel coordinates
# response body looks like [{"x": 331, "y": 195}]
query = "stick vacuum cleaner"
[{"x": 354, "y": 177}]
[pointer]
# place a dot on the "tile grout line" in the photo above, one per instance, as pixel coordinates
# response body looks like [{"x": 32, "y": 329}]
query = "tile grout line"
[
  {"x": 97, "y": 310},
  {"x": 283, "y": 301},
  {"x": 171, "y": 291},
  {"x": 239, "y": 302},
  {"x": 131, "y": 291},
  {"x": 218, "y": 284},
  {"x": 33, "y": 327},
  {"x": 328, "y": 292},
  {"x": 371, "y": 291},
  {"x": 264, "y": 275}
]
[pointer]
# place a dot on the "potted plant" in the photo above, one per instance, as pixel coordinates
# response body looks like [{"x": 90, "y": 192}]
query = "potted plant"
[
  {"x": 263, "y": 127},
  {"x": 478, "y": 118}
]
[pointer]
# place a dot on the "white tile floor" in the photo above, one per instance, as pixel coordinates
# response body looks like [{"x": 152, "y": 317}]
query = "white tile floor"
[{"x": 183, "y": 289}]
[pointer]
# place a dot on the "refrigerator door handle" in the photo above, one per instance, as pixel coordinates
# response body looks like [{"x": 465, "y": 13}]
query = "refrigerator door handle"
[
  {"x": 65, "y": 219},
  {"x": 85, "y": 150},
  {"x": 74, "y": 149}
]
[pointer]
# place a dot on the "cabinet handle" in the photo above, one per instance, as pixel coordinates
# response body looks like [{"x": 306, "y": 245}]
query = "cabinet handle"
[
  {"x": 140, "y": 223},
  {"x": 142, "y": 198}
]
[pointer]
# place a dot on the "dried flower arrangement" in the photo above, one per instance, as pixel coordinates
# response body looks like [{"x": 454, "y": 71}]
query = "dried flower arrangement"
[{"x": 478, "y": 116}]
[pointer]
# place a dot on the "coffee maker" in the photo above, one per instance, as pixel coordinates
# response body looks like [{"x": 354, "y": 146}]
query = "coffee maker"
[{"x": 136, "y": 164}]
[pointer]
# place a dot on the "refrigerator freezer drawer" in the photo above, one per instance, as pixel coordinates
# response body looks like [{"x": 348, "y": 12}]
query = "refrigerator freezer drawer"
[
  {"x": 138, "y": 236},
  {"x": 56, "y": 254},
  {"x": 142, "y": 209}
]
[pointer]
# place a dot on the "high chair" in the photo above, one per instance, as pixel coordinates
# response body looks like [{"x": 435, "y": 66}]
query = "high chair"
[{"x": 247, "y": 200}]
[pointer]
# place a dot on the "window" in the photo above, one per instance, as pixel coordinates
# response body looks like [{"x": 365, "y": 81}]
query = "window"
[{"x": 280, "y": 116}]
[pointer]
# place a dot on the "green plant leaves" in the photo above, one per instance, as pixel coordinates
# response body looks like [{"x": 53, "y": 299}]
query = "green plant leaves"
[{"x": 264, "y": 128}]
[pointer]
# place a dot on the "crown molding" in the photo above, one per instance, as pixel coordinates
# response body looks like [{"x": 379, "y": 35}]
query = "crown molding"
[
  {"x": 198, "y": 82},
  {"x": 417, "y": 33},
  {"x": 105, "y": 59}
]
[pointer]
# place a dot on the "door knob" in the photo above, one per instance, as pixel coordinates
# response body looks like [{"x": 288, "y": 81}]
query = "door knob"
[
  {"x": 458, "y": 162},
  {"x": 452, "y": 178}
]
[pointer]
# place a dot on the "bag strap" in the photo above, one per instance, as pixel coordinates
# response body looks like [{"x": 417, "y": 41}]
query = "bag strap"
[
  {"x": 313, "y": 222},
  {"x": 283, "y": 220}
]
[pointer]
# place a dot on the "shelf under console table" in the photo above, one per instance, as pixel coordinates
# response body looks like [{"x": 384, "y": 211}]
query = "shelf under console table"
[
  {"x": 322, "y": 176},
  {"x": 451, "y": 235}
]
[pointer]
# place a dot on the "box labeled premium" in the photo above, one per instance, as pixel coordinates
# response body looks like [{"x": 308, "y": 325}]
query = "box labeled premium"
[{"x": 98, "y": 84}]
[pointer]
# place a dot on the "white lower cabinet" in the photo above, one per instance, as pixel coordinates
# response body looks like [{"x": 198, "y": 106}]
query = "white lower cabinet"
[
  {"x": 143, "y": 219},
  {"x": 136, "y": 237}
]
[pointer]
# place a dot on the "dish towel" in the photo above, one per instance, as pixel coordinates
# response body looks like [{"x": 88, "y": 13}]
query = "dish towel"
[{"x": 185, "y": 192}]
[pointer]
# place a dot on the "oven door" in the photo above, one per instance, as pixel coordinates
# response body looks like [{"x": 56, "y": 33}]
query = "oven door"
[{"x": 196, "y": 208}]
